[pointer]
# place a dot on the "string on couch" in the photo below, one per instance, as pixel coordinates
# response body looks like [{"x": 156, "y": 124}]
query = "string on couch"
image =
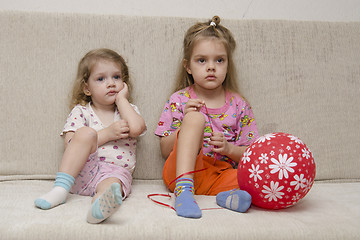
[{"x": 191, "y": 172}]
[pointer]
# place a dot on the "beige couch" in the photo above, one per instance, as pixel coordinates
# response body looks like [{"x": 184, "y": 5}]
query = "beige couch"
[{"x": 300, "y": 77}]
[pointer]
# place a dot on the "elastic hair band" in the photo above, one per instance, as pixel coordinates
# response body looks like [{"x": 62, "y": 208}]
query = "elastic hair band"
[{"x": 213, "y": 24}]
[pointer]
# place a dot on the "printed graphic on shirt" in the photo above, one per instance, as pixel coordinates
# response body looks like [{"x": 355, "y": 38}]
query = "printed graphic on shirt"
[
  {"x": 121, "y": 152},
  {"x": 235, "y": 119}
]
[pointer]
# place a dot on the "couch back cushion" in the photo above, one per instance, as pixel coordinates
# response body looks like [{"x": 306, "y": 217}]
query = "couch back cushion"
[{"x": 300, "y": 77}]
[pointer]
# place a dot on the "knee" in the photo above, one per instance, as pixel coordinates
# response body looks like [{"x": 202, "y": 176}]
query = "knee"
[
  {"x": 194, "y": 118},
  {"x": 86, "y": 135}
]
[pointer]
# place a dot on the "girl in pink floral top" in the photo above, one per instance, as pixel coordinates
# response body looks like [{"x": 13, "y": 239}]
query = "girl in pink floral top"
[
  {"x": 234, "y": 119},
  {"x": 206, "y": 124}
]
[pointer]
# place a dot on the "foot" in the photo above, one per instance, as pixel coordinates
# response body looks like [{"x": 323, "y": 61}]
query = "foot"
[
  {"x": 59, "y": 193},
  {"x": 105, "y": 205},
  {"x": 52, "y": 199},
  {"x": 236, "y": 200},
  {"x": 185, "y": 204}
]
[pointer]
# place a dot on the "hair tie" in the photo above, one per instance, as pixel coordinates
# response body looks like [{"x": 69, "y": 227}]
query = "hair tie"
[{"x": 213, "y": 24}]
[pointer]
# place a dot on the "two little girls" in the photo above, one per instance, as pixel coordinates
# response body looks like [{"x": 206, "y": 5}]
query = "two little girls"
[{"x": 204, "y": 129}]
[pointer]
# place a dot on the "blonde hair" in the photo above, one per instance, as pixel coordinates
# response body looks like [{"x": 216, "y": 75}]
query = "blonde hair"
[
  {"x": 84, "y": 70},
  {"x": 209, "y": 29}
]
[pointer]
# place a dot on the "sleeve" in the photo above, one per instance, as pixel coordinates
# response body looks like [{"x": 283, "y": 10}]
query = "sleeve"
[
  {"x": 246, "y": 131},
  {"x": 171, "y": 116},
  {"x": 136, "y": 109},
  {"x": 75, "y": 120}
]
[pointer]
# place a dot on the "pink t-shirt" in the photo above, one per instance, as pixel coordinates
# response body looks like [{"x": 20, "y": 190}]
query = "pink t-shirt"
[{"x": 235, "y": 119}]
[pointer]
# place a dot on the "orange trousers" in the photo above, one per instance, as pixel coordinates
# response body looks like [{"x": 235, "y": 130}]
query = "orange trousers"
[{"x": 215, "y": 177}]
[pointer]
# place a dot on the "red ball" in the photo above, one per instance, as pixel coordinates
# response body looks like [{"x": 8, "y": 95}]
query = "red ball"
[{"x": 277, "y": 170}]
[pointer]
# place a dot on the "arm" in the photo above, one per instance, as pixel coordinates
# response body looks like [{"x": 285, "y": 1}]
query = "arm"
[
  {"x": 222, "y": 146},
  {"x": 167, "y": 144},
  {"x": 236, "y": 152},
  {"x": 131, "y": 124},
  {"x": 136, "y": 123},
  {"x": 245, "y": 127},
  {"x": 115, "y": 131}
]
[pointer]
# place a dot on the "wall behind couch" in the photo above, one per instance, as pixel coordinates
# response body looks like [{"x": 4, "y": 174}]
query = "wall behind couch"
[{"x": 322, "y": 10}]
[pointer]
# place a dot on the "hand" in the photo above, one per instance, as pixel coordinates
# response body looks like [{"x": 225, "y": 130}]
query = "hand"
[
  {"x": 220, "y": 143},
  {"x": 119, "y": 129},
  {"x": 193, "y": 105},
  {"x": 123, "y": 93}
]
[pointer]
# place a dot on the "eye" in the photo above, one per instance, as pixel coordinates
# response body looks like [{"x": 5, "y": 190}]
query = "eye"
[
  {"x": 100, "y": 79},
  {"x": 201, "y": 60},
  {"x": 117, "y": 77},
  {"x": 220, "y": 60}
]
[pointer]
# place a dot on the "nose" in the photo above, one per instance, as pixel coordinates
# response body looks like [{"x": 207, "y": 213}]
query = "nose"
[
  {"x": 211, "y": 66},
  {"x": 110, "y": 82}
]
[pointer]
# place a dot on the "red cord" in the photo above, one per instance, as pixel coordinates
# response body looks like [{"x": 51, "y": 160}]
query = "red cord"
[
  {"x": 167, "y": 205},
  {"x": 163, "y": 195},
  {"x": 168, "y": 186},
  {"x": 168, "y": 195},
  {"x": 191, "y": 172}
]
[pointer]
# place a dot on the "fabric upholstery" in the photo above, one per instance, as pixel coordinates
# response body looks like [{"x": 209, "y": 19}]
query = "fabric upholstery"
[{"x": 300, "y": 77}]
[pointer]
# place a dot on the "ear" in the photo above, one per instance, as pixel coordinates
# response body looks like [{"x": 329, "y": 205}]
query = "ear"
[
  {"x": 186, "y": 66},
  {"x": 86, "y": 90}
]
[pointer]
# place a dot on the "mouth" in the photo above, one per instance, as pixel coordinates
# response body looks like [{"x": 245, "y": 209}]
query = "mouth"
[
  {"x": 210, "y": 77},
  {"x": 111, "y": 93}
]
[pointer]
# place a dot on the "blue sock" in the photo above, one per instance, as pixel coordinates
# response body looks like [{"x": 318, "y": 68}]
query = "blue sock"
[
  {"x": 59, "y": 193},
  {"x": 236, "y": 200},
  {"x": 185, "y": 204}
]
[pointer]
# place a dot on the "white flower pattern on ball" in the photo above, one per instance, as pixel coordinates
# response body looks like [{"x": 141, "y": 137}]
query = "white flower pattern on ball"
[
  {"x": 255, "y": 172},
  {"x": 295, "y": 139},
  {"x": 279, "y": 170},
  {"x": 282, "y": 166},
  {"x": 273, "y": 192},
  {"x": 263, "y": 158},
  {"x": 246, "y": 157},
  {"x": 306, "y": 153},
  {"x": 300, "y": 181},
  {"x": 265, "y": 137}
]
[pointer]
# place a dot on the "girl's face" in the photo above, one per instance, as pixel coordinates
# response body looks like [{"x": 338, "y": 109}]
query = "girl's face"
[
  {"x": 104, "y": 82},
  {"x": 208, "y": 64}
]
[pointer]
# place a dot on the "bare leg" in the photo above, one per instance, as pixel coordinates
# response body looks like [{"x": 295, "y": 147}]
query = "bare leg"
[
  {"x": 84, "y": 142},
  {"x": 190, "y": 140}
]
